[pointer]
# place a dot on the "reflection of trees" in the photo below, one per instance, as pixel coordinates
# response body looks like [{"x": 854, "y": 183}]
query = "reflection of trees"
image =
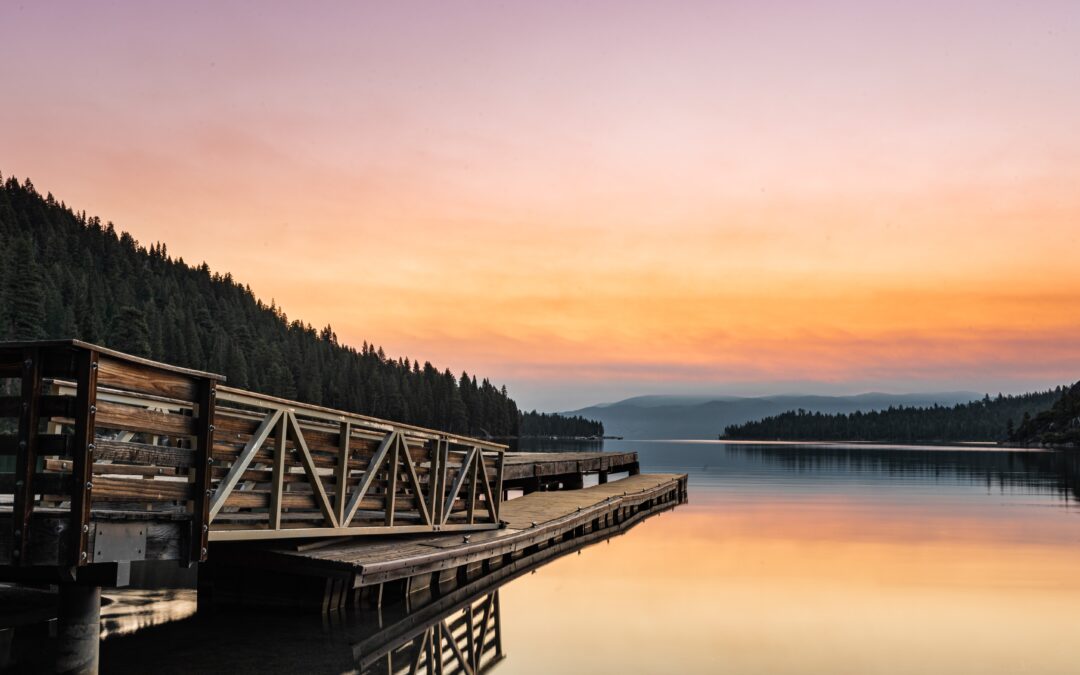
[{"x": 1052, "y": 472}]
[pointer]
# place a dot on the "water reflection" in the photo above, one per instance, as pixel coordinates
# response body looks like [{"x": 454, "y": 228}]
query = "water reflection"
[
  {"x": 131, "y": 610},
  {"x": 447, "y": 636},
  {"x": 1045, "y": 472},
  {"x": 457, "y": 631}
]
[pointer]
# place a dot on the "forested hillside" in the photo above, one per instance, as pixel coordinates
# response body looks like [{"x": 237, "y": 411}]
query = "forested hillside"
[
  {"x": 64, "y": 274},
  {"x": 988, "y": 419},
  {"x": 1060, "y": 425},
  {"x": 535, "y": 424}
]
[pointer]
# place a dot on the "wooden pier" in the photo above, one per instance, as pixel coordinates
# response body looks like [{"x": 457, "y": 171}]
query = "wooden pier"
[
  {"x": 119, "y": 461},
  {"x": 365, "y": 573}
]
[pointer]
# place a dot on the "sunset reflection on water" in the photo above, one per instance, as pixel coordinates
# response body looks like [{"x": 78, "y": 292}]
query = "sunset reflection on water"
[
  {"x": 778, "y": 567},
  {"x": 788, "y": 559}
]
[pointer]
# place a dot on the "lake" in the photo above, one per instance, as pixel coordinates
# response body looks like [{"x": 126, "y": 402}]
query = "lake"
[{"x": 787, "y": 559}]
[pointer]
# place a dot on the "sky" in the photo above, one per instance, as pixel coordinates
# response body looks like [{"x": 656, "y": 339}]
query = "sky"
[{"x": 590, "y": 201}]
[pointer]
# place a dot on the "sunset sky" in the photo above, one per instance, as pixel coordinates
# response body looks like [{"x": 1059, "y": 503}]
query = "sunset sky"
[{"x": 592, "y": 200}]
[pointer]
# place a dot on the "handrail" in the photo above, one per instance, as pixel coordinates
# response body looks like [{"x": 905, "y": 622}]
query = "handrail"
[{"x": 331, "y": 414}]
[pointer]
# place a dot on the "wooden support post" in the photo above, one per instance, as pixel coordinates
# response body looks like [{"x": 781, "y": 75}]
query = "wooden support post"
[
  {"x": 204, "y": 449},
  {"x": 26, "y": 455},
  {"x": 479, "y": 458},
  {"x": 277, "y": 477},
  {"x": 345, "y": 431},
  {"x": 82, "y": 449},
  {"x": 391, "y": 487},
  {"x": 499, "y": 485},
  {"x": 434, "y": 482},
  {"x": 603, "y": 477}
]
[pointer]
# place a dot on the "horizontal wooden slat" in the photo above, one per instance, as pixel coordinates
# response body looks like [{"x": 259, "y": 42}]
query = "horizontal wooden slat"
[
  {"x": 135, "y": 489},
  {"x": 10, "y": 367},
  {"x": 145, "y": 379},
  {"x": 142, "y": 453},
  {"x": 107, "y": 489},
  {"x": 44, "y": 483},
  {"x": 10, "y": 406},
  {"x": 57, "y": 406},
  {"x": 131, "y": 418},
  {"x": 48, "y": 444},
  {"x": 124, "y": 469}
]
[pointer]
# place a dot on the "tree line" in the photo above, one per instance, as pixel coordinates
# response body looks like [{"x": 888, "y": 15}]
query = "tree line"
[
  {"x": 536, "y": 424},
  {"x": 987, "y": 419},
  {"x": 64, "y": 274}
]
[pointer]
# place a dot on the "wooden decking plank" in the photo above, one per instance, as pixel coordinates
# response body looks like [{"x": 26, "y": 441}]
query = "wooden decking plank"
[{"x": 543, "y": 508}]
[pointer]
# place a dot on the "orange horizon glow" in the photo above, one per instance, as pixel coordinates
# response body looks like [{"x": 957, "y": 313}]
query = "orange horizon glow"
[{"x": 588, "y": 201}]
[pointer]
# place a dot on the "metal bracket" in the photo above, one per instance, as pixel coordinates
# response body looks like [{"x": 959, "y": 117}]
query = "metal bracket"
[{"x": 119, "y": 542}]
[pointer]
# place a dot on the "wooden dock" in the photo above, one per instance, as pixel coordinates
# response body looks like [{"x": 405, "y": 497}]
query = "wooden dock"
[
  {"x": 433, "y": 631},
  {"x": 120, "y": 461},
  {"x": 361, "y": 573}
]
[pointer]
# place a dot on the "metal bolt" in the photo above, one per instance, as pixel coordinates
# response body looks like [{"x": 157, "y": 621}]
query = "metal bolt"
[
  {"x": 93, "y": 409},
  {"x": 83, "y": 555},
  {"x": 91, "y": 447},
  {"x": 19, "y": 483},
  {"x": 209, "y": 460},
  {"x": 18, "y": 533},
  {"x": 204, "y": 550},
  {"x": 534, "y": 523},
  {"x": 207, "y": 493},
  {"x": 465, "y": 539},
  {"x": 213, "y": 393},
  {"x": 89, "y": 486},
  {"x": 28, "y": 364},
  {"x": 205, "y": 528},
  {"x": 22, "y": 445},
  {"x": 85, "y": 528},
  {"x": 212, "y": 427},
  {"x": 93, "y": 366}
]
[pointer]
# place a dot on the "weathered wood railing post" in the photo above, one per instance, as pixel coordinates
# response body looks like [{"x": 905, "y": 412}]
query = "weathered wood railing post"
[
  {"x": 26, "y": 454},
  {"x": 82, "y": 448},
  {"x": 206, "y": 401}
]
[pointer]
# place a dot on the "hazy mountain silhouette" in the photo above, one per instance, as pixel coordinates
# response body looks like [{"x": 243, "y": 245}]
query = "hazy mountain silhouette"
[{"x": 706, "y": 416}]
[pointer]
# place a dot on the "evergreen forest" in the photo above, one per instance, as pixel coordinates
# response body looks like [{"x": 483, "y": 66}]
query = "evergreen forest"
[
  {"x": 987, "y": 419},
  {"x": 64, "y": 274}
]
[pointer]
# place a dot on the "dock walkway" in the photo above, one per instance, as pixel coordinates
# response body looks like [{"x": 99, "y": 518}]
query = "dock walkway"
[{"x": 363, "y": 568}]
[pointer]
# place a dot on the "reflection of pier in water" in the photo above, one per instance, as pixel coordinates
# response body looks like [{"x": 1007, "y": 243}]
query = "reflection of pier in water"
[
  {"x": 467, "y": 640},
  {"x": 1036, "y": 471},
  {"x": 437, "y": 630}
]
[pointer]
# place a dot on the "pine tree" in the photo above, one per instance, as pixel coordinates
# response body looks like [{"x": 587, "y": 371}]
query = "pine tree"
[
  {"x": 128, "y": 332},
  {"x": 26, "y": 295}
]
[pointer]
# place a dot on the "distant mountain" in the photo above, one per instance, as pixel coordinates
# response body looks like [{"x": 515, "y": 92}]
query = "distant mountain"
[{"x": 684, "y": 417}]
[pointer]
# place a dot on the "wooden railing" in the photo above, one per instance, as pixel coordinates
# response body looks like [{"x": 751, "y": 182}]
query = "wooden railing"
[{"x": 99, "y": 435}]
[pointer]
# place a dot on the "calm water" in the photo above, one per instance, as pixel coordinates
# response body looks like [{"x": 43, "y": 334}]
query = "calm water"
[{"x": 788, "y": 559}]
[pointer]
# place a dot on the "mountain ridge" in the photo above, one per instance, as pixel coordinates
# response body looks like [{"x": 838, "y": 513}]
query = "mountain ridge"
[{"x": 675, "y": 417}]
